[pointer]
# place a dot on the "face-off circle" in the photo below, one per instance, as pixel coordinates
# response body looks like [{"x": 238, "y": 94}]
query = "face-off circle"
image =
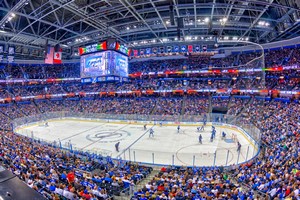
[{"x": 106, "y": 136}]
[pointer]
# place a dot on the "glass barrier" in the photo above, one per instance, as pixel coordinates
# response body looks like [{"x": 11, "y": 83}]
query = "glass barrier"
[{"x": 195, "y": 155}]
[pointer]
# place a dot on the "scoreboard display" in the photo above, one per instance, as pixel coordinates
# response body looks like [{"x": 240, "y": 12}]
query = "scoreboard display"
[
  {"x": 108, "y": 58},
  {"x": 106, "y": 63}
]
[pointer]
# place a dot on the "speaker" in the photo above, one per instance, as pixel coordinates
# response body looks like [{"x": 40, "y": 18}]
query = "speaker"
[
  {"x": 210, "y": 26},
  {"x": 178, "y": 34},
  {"x": 180, "y": 23},
  {"x": 46, "y": 48},
  {"x": 172, "y": 20},
  {"x": 11, "y": 187},
  {"x": 56, "y": 48}
]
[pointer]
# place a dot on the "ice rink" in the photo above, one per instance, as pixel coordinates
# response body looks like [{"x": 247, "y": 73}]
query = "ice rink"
[{"x": 166, "y": 147}]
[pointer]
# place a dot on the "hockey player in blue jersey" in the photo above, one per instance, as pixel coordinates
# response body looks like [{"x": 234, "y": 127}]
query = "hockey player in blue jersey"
[
  {"x": 223, "y": 135},
  {"x": 178, "y": 128},
  {"x": 151, "y": 133}
]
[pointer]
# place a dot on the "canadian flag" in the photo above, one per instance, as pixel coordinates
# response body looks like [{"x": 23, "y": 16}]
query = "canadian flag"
[{"x": 57, "y": 57}]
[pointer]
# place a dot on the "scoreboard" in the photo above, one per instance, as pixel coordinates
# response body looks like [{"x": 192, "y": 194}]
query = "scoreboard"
[{"x": 104, "y": 61}]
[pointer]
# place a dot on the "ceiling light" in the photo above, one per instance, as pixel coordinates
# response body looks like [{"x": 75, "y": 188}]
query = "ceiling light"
[
  {"x": 128, "y": 28},
  {"x": 13, "y": 15},
  {"x": 206, "y": 20}
]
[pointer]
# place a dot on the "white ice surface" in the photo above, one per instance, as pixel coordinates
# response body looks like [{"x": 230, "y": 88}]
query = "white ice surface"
[{"x": 166, "y": 147}]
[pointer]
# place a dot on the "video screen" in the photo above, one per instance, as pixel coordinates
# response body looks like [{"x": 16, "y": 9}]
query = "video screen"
[
  {"x": 104, "y": 63},
  {"x": 121, "y": 64},
  {"x": 93, "y": 65}
]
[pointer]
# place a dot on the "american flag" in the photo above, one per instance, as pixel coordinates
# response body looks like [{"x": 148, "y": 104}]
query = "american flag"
[{"x": 49, "y": 55}]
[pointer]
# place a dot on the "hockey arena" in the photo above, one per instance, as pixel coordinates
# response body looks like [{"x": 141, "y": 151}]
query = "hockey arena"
[
  {"x": 167, "y": 146},
  {"x": 150, "y": 99}
]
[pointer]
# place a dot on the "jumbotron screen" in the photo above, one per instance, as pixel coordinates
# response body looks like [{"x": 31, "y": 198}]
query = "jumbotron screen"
[{"x": 104, "y": 64}]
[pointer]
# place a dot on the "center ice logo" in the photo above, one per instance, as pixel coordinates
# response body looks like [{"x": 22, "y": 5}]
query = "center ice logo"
[{"x": 106, "y": 136}]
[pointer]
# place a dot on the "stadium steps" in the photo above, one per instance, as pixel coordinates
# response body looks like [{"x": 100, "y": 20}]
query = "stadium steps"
[
  {"x": 230, "y": 102},
  {"x": 289, "y": 57},
  {"x": 142, "y": 183},
  {"x": 183, "y": 105},
  {"x": 210, "y": 104},
  {"x": 245, "y": 106},
  {"x": 128, "y": 194},
  {"x": 155, "y": 107},
  {"x": 38, "y": 108}
]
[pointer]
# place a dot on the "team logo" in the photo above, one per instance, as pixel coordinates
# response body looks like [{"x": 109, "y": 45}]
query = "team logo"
[{"x": 108, "y": 136}]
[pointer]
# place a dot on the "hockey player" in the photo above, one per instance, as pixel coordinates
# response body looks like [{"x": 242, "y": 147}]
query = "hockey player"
[
  {"x": 239, "y": 146},
  {"x": 202, "y": 127},
  {"x": 117, "y": 146},
  {"x": 200, "y": 139},
  {"x": 223, "y": 135},
  {"x": 151, "y": 133}
]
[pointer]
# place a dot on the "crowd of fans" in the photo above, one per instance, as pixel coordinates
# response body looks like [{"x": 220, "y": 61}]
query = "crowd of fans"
[
  {"x": 275, "y": 57},
  {"x": 58, "y": 174},
  {"x": 72, "y": 175},
  {"x": 285, "y": 80},
  {"x": 275, "y": 173}
]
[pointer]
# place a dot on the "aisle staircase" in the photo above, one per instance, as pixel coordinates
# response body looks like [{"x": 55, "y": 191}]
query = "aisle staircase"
[
  {"x": 127, "y": 194},
  {"x": 210, "y": 104},
  {"x": 183, "y": 105}
]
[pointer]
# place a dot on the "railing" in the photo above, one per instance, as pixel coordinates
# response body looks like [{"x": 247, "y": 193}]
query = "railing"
[{"x": 195, "y": 156}]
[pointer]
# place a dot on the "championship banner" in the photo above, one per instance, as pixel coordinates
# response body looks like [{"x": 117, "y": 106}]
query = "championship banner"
[
  {"x": 154, "y": 50},
  {"x": 183, "y": 49},
  {"x": 161, "y": 50},
  {"x": 197, "y": 48},
  {"x": 169, "y": 49},
  {"x": 148, "y": 51},
  {"x": 11, "y": 53},
  {"x": 142, "y": 52},
  {"x": 176, "y": 49},
  {"x": 190, "y": 48}
]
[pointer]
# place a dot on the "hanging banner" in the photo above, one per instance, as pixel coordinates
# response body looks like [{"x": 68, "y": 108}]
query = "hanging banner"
[
  {"x": 11, "y": 53},
  {"x": 190, "y": 48},
  {"x": 176, "y": 49},
  {"x": 148, "y": 51},
  {"x": 1, "y": 52}
]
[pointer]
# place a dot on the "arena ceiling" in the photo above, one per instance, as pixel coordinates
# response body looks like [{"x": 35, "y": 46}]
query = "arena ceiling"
[{"x": 73, "y": 23}]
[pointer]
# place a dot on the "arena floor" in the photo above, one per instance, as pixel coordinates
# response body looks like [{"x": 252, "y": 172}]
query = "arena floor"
[{"x": 166, "y": 147}]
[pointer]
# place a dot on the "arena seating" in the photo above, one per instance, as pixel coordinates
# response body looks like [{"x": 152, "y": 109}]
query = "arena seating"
[{"x": 54, "y": 172}]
